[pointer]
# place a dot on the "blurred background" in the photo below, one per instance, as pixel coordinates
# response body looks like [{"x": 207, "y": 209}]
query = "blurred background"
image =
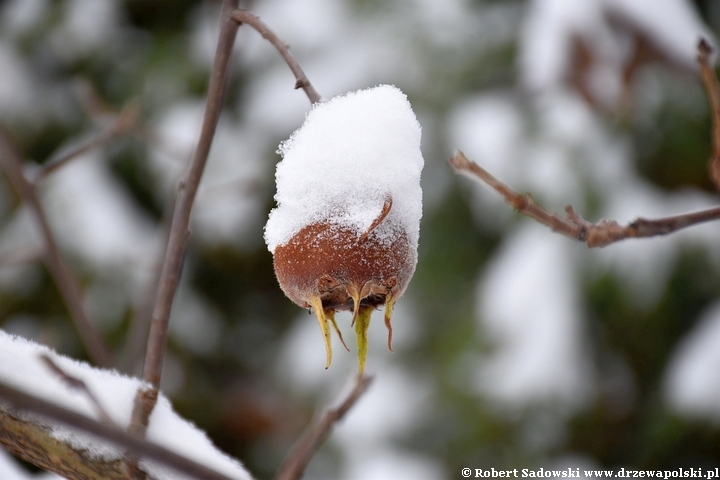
[{"x": 514, "y": 347}]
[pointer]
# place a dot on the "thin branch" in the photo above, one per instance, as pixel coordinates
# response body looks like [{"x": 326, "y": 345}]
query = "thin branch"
[
  {"x": 593, "y": 235},
  {"x": 12, "y": 259},
  {"x": 137, "y": 339},
  {"x": 22, "y": 402},
  {"x": 304, "y": 450},
  {"x": 302, "y": 81},
  {"x": 11, "y": 162},
  {"x": 710, "y": 82},
  {"x": 179, "y": 231},
  {"x": 78, "y": 384},
  {"x": 126, "y": 121}
]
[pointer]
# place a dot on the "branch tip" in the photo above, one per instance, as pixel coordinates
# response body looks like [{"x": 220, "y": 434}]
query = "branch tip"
[
  {"x": 704, "y": 47},
  {"x": 243, "y": 16},
  {"x": 598, "y": 234}
]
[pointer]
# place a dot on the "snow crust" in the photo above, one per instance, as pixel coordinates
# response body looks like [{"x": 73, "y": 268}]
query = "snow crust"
[
  {"x": 351, "y": 153},
  {"x": 22, "y": 368}
]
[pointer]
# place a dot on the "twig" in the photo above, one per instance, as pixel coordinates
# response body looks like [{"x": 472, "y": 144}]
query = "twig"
[
  {"x": 304, "y": 450},
  {"x": 11, "y": 259},
  {"x": 137, "y": 339},
  {"x": 710, "y": 82},
  {"x": 593, "y": 235},
  {"x": 11, "y": 162},
  {"x": 126, "y": 120},
  {"x": 78, "y": 384},
  {"x": 21, "y": 401},
  {"x": 177, "y": 240},
  {"x": 302, "y": 81}
]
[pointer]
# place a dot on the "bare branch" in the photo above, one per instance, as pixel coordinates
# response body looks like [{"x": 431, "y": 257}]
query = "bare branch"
[
  {"x": 304, "y": 450},
  {"x": 11, "y": 162},
  {"x": 179, "y": 232},
  {"x": 302, "y": 81},
  {"x": 78, "y": 384},
  {"x": 137, "y": 339},
  {"x": 35, "y": 444},
  {"x": 126, "y": 120},
  {"x": 710, "y": 82},
  {"x": 593, "y": 235},
  {"x": 11, "y": 259}
]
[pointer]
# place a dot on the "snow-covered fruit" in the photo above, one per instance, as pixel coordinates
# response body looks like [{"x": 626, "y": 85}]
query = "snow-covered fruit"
[{"x": 345, "y": 230}]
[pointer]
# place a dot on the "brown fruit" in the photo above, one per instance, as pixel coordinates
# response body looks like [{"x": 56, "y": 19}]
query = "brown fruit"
[{"x": 329, "y": 267}]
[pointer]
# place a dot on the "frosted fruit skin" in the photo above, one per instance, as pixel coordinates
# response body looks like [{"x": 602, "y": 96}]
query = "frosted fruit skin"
[
  {"x": 344, "y": 234},
  {"x": 329, "y": 261}
]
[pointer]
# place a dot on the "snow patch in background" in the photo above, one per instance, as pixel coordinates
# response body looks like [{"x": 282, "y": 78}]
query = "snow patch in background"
[
  {"x": 392, "y": 464},
  {"x": 489, "y": 129},
  {"x": 692, "y": 384},
  {"x": 528, "y": 310},
  {"x": 674, "y": 24},
  {"x": 88, "y": 26},
  {"x": 227, "y": 209},
  {"x": 18, "y": 88},
  {"x": 94, "y": 217},
  {"x": 196, "y": 324},
  {"x": 552, "y": 27},
  {"x": 21, "y": 16}
]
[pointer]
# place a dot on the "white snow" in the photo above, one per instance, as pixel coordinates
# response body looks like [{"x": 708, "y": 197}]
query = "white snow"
[
  {"x": 551, "y": 27},
  {"x": 22, "y": 368},
  {"x": 226, "y": 211},
  {"x": 11, "y": 470},
  {"x": 528, "y": 309},
  {"x": 674, "y": 25},
  {"x": 351, "y": 153},
  {"x": 691, "y": 382},
  {"x": 94, "y": 216}
]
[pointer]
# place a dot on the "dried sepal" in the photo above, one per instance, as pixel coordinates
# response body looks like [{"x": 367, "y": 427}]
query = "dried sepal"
[
  {"x": 344, "y": 234},
  {"x": 330, "y": 267}
]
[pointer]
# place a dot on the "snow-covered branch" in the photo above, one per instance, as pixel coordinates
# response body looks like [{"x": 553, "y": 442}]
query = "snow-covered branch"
[{"x": 59, "y": 428}]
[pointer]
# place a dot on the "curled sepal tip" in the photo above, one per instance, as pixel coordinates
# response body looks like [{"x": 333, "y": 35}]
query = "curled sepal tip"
[{"x": 330, "y": 315}]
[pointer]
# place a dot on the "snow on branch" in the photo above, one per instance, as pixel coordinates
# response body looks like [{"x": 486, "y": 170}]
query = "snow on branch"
[
  {"x": 605, "y": 232},
  {"x": 59, "y": 428}
]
